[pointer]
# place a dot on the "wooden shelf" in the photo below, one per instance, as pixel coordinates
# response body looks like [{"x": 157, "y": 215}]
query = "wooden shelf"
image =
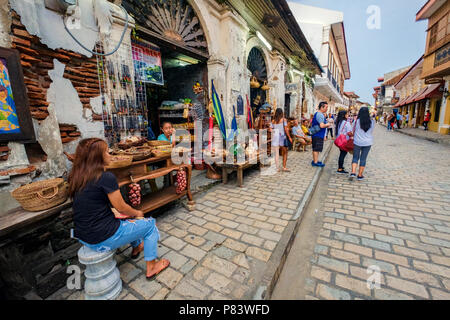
[
  {"x": 151, "y": 175},
  {"x": 160, "y": 198}
]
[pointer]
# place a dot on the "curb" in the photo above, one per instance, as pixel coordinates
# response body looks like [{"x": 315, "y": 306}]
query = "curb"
[
  {"x": 444, "y": 142},
  {"x": 278, "y": 258}
]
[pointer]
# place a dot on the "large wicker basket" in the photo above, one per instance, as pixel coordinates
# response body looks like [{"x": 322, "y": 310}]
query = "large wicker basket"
[
  {"x": 120, "y": 162},
  {"x": 42, "y": 195}
]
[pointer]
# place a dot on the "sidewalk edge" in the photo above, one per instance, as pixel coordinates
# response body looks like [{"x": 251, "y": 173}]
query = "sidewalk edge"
[{"x": 278, "y": 258}]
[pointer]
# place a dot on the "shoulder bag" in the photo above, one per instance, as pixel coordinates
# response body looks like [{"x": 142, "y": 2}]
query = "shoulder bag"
[
  {"x": 341, "y": 140},
  {"x": 350, "y": 145}
]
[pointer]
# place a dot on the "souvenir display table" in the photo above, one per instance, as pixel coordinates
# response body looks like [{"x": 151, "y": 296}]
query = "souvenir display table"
[{"x": 239, "y": 168}]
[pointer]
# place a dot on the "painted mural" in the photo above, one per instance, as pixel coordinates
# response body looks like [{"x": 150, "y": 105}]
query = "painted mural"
[{"x": 9, "y": 122}]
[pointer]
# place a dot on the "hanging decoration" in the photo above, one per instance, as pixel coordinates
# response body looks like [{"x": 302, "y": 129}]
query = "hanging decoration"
[{"x": 123, "y": 94}]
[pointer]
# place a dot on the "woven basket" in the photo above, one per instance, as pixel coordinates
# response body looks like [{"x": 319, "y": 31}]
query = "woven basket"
[
  {"x": 42, "y": 195},
  {"x": 115, "y": 163},
  {"x": 157, "y": 143},
  {"x": 159, "y": 152}
]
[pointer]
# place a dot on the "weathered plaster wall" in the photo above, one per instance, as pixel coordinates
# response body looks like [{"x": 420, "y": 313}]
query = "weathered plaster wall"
[
  {"x": 48, "y": 25},
  {"x": 65, "y": 83}
]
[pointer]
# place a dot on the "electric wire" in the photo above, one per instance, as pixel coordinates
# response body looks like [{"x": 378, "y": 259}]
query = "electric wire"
[{"x": 98, "y": 53}]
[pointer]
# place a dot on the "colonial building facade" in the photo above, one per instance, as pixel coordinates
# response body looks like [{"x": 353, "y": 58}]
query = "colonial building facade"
[
  {"x": 436, "y": 64},
  {"x": 325, "y": 31}
]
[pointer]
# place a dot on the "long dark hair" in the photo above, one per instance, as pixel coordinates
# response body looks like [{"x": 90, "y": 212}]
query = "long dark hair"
[
  {"x": 340, "y": 118},
  {"x": 88, "y": 164},
  {"x": 279, "y": 114},
  {"x": 364, "y": 119}
]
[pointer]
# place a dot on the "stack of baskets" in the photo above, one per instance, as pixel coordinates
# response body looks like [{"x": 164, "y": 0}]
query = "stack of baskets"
[{"x": 42, "y": 195}]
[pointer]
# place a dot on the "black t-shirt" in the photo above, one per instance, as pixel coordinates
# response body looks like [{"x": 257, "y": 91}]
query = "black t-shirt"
[{"x": 94, "y": 220}]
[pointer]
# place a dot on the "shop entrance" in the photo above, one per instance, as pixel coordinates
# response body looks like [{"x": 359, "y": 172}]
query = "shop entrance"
[{"x": 167, "y": 102}]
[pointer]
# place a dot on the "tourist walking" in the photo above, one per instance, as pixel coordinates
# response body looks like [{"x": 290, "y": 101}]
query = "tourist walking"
[
  {"x": 427, "y": 119},
  {"x": 330, "y": 130},
  {"x": 343, "y": 127},
  {"x": 319, "y": 128},
  {"x": 363, "y": 141},
  {"x": 392, "y": 120},
  {"x": 95, "y": 192},
  {"x": 399, "y": 120},
  {"x": 407, "y": 120},
  {"x": 280, "y": 138}
]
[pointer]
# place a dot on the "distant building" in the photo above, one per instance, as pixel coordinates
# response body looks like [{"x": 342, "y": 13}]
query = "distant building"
[
  {"x": 387, "y": 96},
  {"x": 324, "y": 30},
  {"x": 436, "y": 62}
]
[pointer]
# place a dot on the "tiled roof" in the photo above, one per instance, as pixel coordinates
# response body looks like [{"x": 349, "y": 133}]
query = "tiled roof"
[{"x": 395, "y": 79}]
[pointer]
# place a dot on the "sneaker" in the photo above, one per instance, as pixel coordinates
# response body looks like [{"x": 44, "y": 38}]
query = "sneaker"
[
  {"x": 360, "y": 178},
  {"x": 342, "y": 172},
  {"x": 318, "y": 164},
  {"x": 352, "y": 177}
]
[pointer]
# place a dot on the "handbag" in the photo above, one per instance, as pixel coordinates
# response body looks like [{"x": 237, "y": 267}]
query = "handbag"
[
  {"x": 350, "y": 145},
  {"x": 341, "y": 140}
]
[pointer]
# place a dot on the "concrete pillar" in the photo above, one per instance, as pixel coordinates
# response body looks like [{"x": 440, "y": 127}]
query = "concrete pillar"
[
  {"x": 102, "y": 276},
  {"x": 444, "y": 117}
]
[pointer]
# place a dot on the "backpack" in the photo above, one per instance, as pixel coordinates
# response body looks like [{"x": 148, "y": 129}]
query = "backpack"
[{"x": 314, "y": 129}]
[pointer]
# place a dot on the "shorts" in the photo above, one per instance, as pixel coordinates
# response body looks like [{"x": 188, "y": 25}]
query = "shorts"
[{"x": 317, "y": 144}]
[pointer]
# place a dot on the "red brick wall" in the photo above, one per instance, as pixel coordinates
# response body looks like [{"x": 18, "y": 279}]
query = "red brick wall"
[
  {"x": 4, "y": 152},
  {"x": 37, "y": 60}
]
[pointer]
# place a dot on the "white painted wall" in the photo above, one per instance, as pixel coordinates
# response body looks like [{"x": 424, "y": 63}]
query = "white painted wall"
[{"x": 48, "y": 25}]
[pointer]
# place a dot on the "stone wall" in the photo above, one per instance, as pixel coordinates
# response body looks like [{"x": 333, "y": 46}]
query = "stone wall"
[{"x": 34, "y": 258}]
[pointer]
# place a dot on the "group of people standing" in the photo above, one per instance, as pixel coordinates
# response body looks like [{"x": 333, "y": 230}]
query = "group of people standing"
[
  {"x": 397, "y": 120},
  {"x": 359, "y": 129}
]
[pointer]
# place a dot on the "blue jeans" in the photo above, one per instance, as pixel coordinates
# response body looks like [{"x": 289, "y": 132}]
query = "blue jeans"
[
  {"x": 132, "y": 231},
  {"x": 360, "y": 153}
]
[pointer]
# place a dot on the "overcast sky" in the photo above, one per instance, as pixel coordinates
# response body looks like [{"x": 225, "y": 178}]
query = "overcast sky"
[{"x": 398, "y": 43}]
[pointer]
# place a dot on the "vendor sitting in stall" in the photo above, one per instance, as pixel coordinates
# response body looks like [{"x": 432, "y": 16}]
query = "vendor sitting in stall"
[
  {"x": 300, "y": 136},
  {"x": 95, "y": 192},
  {"x": 168, "y": 133}
]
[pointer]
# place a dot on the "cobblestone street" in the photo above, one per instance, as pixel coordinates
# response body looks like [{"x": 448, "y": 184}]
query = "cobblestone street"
[
  {"x": 220, "y": 250},
  {"x": 398, "y": 219}
]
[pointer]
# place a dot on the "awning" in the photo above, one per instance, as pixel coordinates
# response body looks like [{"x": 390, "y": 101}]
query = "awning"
[
  {"x": 420, "y": 93},
  {"x": 431, "y": 92},
  {"x": 401, "y": 102},
  {"x": 411, "y": 98}
]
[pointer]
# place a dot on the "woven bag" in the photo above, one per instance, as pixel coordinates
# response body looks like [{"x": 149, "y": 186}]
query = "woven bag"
[{"x": 42, "y": 195}]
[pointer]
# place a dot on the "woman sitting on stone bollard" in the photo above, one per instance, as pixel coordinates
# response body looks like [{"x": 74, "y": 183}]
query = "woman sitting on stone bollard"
[{"x": 95, "y": 192}]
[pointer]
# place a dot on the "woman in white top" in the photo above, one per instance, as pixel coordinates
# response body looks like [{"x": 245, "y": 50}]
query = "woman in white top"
[
  {"x": 363, "y": 140},
  {"x": 343, "y": 126},
  {"x": 280, "y": 136}
]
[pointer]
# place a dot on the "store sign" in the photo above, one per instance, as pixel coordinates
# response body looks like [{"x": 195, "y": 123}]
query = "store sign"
[
  {"x": 147, "y": 63},
  {"x": 442, "y": 55},
  {"x": 290, "y": 87}
]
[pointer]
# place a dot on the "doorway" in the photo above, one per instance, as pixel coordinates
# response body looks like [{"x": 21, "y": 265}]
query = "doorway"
[{"x": 287, "y": 105}]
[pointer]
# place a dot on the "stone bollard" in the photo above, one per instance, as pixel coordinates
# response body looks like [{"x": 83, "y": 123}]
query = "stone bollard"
[{"x": 102, "y": 276}]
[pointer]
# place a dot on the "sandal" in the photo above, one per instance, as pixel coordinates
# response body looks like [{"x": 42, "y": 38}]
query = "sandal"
[
  {"x": 162, "y": 266},
  {"x": 141, "y": 248},
  {"x": 286, "y": 170}
]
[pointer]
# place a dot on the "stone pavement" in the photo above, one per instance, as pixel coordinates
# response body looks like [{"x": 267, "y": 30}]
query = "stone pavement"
[
  {"x": 426, "y": 135},
  {"x": 398, "y": 219},
  {"x": 220, "y": 250}
]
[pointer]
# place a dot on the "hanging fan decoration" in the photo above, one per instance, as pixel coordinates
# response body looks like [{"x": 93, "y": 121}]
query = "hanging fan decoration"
[
  {"x": 257, "y": 65},
  {"x": 174, "y": 20}
]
